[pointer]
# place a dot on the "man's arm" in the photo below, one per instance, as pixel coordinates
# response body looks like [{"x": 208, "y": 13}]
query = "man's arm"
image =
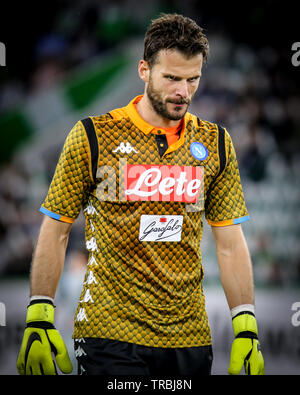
[
  {"x": 237, "y": 281},
  {"x": 49, "y": 257},
  {"x": 235, "y": 265},
  {"x": 35, "y": 357}
]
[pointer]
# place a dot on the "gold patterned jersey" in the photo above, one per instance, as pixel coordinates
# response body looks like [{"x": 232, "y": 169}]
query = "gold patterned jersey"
[{"x": 144, "y": 209}]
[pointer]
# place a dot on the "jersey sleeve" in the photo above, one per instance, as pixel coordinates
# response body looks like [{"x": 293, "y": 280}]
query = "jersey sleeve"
[
  {"x": 72, "y": 178},
  {"x": 225, "y": 204}
]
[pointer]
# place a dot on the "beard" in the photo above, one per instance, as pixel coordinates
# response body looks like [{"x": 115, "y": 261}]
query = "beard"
[{"x": 160, "y": 106}]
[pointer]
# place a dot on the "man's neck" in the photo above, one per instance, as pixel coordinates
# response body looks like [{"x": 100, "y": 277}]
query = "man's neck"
[{"x": 146, "y": 111}]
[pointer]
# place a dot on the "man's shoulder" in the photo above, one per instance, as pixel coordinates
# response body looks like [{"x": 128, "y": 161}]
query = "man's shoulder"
[
  {"x": 201, "y": 123},
  {"x": 111, "y": 116}
]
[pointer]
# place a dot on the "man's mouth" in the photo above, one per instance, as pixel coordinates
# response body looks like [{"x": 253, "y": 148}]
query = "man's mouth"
[{"x": 178, "y": 103}]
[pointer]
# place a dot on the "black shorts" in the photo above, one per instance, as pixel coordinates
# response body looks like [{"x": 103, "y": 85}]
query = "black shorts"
[{"x": 111, "y": 357}]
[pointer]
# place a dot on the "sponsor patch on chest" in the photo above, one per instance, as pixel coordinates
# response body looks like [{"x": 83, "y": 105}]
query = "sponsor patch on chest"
[
  {"x": 163, "y": 183},
  {"x": 160, "y": 228}
]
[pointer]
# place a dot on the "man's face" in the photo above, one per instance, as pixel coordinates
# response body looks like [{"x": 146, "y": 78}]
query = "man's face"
[{"x": 173, "y": 82}]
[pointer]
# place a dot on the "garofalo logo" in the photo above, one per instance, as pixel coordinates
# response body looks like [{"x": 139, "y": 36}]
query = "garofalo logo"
[{"x": 2, "y": 54}]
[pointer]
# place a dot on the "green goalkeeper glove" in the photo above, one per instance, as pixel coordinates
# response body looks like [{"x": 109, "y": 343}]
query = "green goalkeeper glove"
[
  {"x": 40, "y": 340},
  {"x": 245, "y": 348}
]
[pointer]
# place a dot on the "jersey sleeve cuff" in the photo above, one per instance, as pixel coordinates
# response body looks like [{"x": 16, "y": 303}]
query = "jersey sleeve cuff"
[
  {"x": 56, "y": 216},
  {"x": 228, "y": 222}
]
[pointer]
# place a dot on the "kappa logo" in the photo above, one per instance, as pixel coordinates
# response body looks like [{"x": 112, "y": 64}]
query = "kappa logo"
[
  {"x": 81, "y": 316},
  {"x": 125, "y": 148}
]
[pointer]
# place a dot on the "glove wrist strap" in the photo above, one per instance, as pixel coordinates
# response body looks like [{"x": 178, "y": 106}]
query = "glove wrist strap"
[
  {"x": 244, "y": 322},
  {"x": 40, "y": 310}
]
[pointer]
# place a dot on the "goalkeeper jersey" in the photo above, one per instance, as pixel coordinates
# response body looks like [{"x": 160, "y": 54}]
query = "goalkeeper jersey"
[{"x": 143, "y": 203}]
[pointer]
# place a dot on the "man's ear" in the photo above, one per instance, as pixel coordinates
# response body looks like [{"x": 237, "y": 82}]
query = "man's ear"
[{"x": 144, "y": 70}]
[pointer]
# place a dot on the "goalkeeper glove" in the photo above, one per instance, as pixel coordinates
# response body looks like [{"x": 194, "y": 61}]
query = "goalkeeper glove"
[
  {"x": 245, "y": 348},
  {"x": 40, "y": 340}
]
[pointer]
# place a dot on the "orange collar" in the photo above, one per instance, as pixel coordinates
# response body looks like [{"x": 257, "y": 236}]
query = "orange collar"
[{"x": 131, "y": 111}]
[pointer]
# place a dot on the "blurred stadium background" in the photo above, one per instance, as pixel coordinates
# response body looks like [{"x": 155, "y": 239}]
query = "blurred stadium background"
[{"x": 66, "y": 60}]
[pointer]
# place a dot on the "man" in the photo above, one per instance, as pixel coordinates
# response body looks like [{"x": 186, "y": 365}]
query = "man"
[{"x": 144, "y": 175}]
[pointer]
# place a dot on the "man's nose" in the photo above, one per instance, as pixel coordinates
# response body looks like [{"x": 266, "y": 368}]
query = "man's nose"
[{"x": 182, "y": 89}]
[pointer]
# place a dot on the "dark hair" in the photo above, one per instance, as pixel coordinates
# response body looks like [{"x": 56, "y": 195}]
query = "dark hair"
[{"x": 174, "y": 31}]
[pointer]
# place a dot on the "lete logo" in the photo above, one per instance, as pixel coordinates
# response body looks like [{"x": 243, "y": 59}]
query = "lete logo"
[{"x": 163, "y": 183}]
